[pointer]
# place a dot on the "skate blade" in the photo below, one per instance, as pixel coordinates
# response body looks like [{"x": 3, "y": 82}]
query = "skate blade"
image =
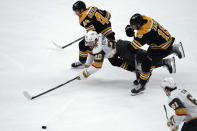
[
  {"x": 79, "y": 67},
  {"x": 182, "y": 50},
  {"x": 135, "y": 94},
  {"x": 174, "y": 65}
]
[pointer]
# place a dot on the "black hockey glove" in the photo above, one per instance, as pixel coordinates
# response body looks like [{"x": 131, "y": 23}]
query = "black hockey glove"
[{"x": 129, "y": 31}]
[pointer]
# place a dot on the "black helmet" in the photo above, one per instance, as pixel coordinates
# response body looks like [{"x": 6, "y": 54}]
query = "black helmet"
[
  {"x": 136, "y": 19},
  {"x": 79, "y": 5}
]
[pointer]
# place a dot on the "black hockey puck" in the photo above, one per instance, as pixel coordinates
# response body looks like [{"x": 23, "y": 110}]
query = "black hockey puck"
[{"x": 44, "y": 127}]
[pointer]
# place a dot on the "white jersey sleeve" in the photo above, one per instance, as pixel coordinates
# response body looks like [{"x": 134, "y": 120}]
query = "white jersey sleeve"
[
  {"x": 184, "y": 104},
  {"x": 99, "y": 47},
  {"x": 90, "y": 59}
]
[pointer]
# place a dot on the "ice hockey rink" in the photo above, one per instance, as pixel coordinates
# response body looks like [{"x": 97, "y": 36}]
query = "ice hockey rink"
[{"x": 29, "y": 61}]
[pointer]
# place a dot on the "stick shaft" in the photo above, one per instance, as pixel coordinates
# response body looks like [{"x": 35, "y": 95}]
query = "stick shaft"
[
  {"x": 166, "y": 112},
  {"x": 54, "y": 88},
  {"x": 73, "y": 42}
]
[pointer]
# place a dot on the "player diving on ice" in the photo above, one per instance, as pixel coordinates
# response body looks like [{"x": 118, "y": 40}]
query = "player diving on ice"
[
  {"x": 122, "y": 54},
  {"x": 184, "y": 105}
]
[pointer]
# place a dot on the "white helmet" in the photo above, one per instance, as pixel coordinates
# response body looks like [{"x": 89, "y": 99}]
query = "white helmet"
[
  {"x": 91, "y": 36},
  {"x": 168, "y": 82}
]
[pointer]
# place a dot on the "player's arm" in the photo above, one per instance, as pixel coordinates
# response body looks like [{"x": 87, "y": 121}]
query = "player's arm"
[
  {"x": 89, "y": 60},
  {"x": 180, "y": 111},
  {"x": 106, "y": 14},
  {"x": 90, "y": 27},
  {"x": 137, "y": 42},
  {"x": 96, "y": 65}
]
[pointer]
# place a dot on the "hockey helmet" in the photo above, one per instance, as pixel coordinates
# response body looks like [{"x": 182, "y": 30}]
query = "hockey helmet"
[
  {"x": 168, "y": 83},
  {"x": 136, "y": 19},
  {"x": 79, "y": 5},
  {"x": 91, "y": 36}
]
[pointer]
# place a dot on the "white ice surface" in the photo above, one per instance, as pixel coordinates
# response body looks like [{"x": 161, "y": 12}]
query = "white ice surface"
[{"x": 29, "y": 61}]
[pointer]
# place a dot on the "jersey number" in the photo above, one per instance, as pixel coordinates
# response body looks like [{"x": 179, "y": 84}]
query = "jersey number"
[
  {"x": 163, "y": 32},
  {"x": 101, "y": 19},
  {"x": 190, "y": 98},
  {"x": 98, "y": 57},
  {"x": 174, "y": 105}
]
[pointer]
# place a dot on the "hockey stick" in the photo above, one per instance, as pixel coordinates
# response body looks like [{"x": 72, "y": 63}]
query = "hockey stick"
[
  {"x": 166, "y": 112},
  {"x": 62, "y": 47},
  {"x": 29, "y": 97},
  {"x": 176, "y": 127}
]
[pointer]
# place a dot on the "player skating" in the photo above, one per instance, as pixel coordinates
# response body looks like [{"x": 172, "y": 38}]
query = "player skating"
[
  {"x": 183, "y": 103},
  {"x": 160, "y": 45},
  {"x": 92, "y": 19}
]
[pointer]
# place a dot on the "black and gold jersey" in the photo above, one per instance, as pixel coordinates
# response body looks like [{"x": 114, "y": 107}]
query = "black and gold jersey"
[
  {"x": 97, "y": 20},
  {"x": 153, "y": 34},
  {"x": 98, "y": 59}
]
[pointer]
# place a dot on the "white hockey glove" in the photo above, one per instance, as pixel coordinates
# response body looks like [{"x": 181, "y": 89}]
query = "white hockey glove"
[
  {"x": 172, "y": 126},
  {"x": 83, "y": 75}
]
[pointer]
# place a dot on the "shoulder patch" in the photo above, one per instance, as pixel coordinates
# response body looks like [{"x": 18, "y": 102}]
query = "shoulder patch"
[
  {"x": 84, "y": 14},
  {"x": 146, "y": 27}
]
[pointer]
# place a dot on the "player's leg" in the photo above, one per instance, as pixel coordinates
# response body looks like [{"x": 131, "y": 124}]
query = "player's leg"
[
  {"x": 190, "y": 126},
  {"x": 148, "y": 64},
  {"x": 111, "y": 36},
  {"x": 115, "y": 61},
  {"x": 83, "y": 54},
  {"x": 169, "y": 63},
  {"x": 185, "y": 127},
  {"x": 178, "y": 50},
  {"x": 124, "y": 65}
]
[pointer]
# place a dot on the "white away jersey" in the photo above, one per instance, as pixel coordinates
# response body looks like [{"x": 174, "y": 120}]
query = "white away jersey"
[{"x": 183, "y": 103}]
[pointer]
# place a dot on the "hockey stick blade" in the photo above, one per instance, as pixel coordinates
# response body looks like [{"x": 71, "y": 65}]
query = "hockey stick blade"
[
  {"x": 27, "y": 95},
  {"x": 58, "y": 46}
]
